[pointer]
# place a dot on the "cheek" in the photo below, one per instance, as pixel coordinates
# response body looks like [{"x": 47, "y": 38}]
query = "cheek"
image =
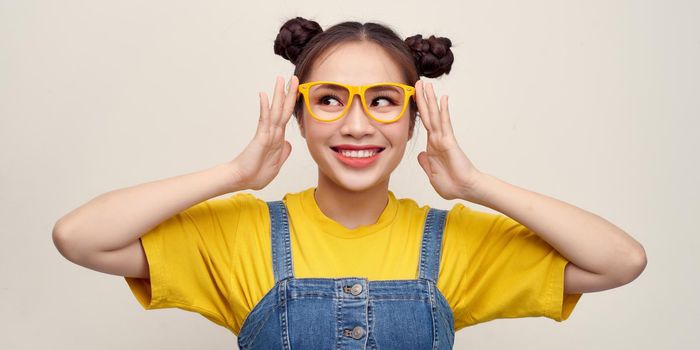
[
  {"x": 316, "y": 134},
  {"x": 400, "y": 134}
]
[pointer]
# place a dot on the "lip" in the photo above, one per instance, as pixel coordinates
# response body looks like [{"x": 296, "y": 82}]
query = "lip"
[
  {"x": 357, "y": 162},
  {"x": 356, "y": 147}
]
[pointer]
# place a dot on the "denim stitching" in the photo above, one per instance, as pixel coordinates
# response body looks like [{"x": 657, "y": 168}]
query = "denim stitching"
[
  {"x": 424, "y": 241},
  {"x": 289, "y": 268},
  {"x": 283, "y": 315},
  {"x": 245, "y": 336},
  {"x": 250, "y": 338},
  {"x": 371, "y": 343},
  {"x": 433, "y": 313},
  {"x": 339, "y": 323},
  {"x": 439, "y": 230},
  {"x": 273, "y": 230},
  {"x": 367, "y": 332},
  {"x": 447, "y": 316}
]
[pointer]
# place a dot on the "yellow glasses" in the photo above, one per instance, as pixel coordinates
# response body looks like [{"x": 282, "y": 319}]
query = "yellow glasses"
[{"x": 328, "y": 101}]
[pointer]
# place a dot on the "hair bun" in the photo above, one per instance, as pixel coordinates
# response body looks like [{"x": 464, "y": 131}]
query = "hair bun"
[
  {"x": 293, "y": 37},
  {"x": 433, "y": 56}
]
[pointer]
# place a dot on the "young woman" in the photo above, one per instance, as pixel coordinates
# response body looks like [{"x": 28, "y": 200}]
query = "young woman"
[{"x": 346, "y": 264}]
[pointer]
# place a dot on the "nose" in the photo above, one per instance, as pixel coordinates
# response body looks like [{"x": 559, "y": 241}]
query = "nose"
[{"x": 356, "y": 122}]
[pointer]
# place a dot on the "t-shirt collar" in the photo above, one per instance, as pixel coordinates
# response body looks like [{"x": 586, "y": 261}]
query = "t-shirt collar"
[{"x": 311, "y": 211}]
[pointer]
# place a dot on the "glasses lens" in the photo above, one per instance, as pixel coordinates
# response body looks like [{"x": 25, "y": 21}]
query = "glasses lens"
[
  {"x": 385, "y": 102},
  {"x": 328, "y": 101}
]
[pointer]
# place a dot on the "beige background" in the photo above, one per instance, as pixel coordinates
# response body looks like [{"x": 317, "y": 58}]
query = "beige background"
[{"x": 592, "y": 102}]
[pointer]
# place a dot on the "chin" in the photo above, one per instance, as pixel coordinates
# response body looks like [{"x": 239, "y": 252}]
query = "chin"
[
  {"x": 357, "y": 186},
  {"x": 351, "y": 180}
]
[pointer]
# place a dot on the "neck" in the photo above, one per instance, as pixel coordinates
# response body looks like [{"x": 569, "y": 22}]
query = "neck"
[{"x": 357, "y": 208}]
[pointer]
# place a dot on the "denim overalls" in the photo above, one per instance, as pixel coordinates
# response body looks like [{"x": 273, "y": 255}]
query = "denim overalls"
[{"x": 350, "y": 312}]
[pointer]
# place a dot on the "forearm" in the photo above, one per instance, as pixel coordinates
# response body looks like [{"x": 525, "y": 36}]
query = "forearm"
[
  {"x": 117, "y": 218},
  {"x": 587, "y": 240}
]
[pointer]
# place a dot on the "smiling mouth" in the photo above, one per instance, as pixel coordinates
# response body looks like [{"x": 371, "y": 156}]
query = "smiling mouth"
[{"x": 358, "y": 153}]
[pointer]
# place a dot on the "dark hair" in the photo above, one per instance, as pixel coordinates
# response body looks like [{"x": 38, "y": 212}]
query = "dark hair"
[{"x": 302, "y": 41}]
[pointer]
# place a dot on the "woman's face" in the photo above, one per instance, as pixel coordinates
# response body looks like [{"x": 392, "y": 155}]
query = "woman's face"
[{"x": 357, "y": 63}]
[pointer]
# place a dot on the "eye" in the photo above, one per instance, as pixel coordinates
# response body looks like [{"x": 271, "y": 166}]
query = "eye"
[
  {"x": 388, "y": 101},
  {"x": 327, "y": 100}
]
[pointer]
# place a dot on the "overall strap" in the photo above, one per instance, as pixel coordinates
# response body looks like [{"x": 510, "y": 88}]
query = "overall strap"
[
  {"x": 431, "y": 246},
  {"x": 279, "y": 235}
]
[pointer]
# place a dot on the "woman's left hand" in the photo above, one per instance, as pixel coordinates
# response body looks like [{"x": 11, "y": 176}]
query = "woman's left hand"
[{"x": 451, "y": 173}]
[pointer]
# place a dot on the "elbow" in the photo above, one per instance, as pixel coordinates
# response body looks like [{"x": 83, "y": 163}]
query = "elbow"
[
  {"x": 639, "y": 260},
  {"x": 63, "y": 240},
  {"x": 633, "y": 265}
]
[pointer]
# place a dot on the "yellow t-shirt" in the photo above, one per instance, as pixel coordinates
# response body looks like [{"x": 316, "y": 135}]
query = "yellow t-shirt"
[{"x": 215, "y": 258}]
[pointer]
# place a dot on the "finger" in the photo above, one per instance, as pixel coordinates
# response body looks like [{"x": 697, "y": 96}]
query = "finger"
[
  {"x": 433, "y": 109},
  {"x": 275, "y": 109},
  {"x": 264, "y": 121},
  {"x": 290, "y": 100},
  {"x": 422, "y": 107},
  {"x": 445, "y": 116}
]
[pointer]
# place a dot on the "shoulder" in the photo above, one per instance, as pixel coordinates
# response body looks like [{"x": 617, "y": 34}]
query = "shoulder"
[
  {"x": 457, "y": 214},
  {"x": 252, "y": 207},
  {"x": 407, "y": 203},
  {"x": 408, "y": 208},
  {"x": 465, "y": 217},
  {"x": 224, "y": 210},
  {"x": 245, "y": 201},
  {"x": 244, "y": 198}
]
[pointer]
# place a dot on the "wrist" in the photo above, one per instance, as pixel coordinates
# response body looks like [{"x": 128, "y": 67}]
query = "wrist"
[
  {"x": 230, "y": 177},
  {"x": 475, "y": 190}
]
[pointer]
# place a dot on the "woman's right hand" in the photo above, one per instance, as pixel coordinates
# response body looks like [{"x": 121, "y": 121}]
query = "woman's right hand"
[{"x": 259, "y": 163}]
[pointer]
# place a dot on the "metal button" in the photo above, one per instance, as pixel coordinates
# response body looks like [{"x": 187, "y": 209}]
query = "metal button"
[
  {"x": 356, "y": 289},
  {"x": 358, "y": 332}
]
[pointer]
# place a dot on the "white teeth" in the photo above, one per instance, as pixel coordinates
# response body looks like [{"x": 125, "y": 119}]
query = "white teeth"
[{"x": 358, "y": 154}]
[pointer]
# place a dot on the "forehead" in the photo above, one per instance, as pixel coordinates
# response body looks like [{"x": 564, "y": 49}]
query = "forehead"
[{"x": 356, "y": 63}]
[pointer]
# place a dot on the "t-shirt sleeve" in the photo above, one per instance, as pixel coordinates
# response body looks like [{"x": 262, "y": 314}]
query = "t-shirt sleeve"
[
  {"x": 495, "y": 267},
  {"x": 189, "y": 258}
]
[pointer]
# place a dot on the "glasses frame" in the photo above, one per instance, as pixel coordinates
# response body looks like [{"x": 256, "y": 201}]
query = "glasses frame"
[{"x": 409, "y": 91}]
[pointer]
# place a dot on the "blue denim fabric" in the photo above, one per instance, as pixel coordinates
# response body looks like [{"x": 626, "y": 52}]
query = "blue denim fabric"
[{"x": 351, "y": 312}]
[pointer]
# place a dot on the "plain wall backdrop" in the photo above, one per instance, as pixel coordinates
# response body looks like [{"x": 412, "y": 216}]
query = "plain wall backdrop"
[{"x": 595, "y": 103}]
